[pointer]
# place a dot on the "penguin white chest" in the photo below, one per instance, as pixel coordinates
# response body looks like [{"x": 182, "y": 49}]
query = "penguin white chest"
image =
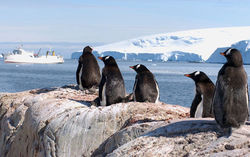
[
  {"x": 80, "y": 80},
  {"x": 103, "y": 102},
  {"x": 199, "y": 109},
  {"x": 247, "y": 101},
  {"x": 158, "y": 92}
]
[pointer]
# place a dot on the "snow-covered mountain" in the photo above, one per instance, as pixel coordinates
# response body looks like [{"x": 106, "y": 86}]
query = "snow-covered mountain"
[
  {"x": 191, "y": 45},
  {"x": 243, "y": 46}
]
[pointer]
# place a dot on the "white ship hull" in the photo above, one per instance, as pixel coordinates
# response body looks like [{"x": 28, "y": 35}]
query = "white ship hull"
[
  {"x": 29, "y": 59},
  {"x": 26, "y": 57}
]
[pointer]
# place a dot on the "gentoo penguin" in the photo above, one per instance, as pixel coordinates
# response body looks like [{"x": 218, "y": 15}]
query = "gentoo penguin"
[
  {"x": 146, "y": 87},
  {"x": 230, "y": 102},
  {"x": 111, "y": 88},
  {"x": 88, "y": 71},
  {"x": 202, "y": 103}
]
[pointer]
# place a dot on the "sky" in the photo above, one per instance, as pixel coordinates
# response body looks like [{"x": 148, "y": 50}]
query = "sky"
[{"x": 107, "y": 21}]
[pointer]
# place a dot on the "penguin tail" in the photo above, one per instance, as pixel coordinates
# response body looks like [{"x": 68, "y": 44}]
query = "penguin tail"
[
  {"x": 128, "y": 98},
  {"x": 227, "y": 131},
  {"x": 93, "y": 90}
]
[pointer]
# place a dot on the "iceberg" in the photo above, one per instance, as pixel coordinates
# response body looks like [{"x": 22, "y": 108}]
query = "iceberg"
[
  {"x": 172, "y": 56},
  {"x": 243, "y": 46}
]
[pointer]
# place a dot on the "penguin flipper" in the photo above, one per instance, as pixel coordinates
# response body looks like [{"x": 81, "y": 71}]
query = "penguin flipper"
[
  {"x": 218, "y": 101},
  {"x": 248, "y": 102},
  {"x": 195, "y": 103},
  {"x": 77, "y": 72},
  {"x": 103, "y": 80},
  {"x": 134, "y": 87}
]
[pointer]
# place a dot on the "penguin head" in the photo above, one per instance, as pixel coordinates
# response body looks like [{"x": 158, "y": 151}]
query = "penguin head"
[
  {"x": 198, "y": 76},
  {"x": 139, "y": 68},
  {"x": 108, "y": 60},
  {"x": 87, "y": 49},
  {"x": 233, "y": 57}
]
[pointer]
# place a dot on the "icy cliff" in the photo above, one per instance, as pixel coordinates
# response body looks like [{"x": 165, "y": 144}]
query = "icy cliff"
[{"x": 243, "y": 46}]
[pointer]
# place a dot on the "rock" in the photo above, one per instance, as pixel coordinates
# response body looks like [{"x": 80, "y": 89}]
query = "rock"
[
  {"x": 61, "y": 122},
  {"x": 187, "y": 138}
]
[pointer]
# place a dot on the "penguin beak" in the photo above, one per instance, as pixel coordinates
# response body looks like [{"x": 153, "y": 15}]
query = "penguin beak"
[
  {"x": 187, "y": 75},
  {"x": 101, "y": 58},
  {"x": 132, "y": 67},
  {"x": 223, "y": 54}
]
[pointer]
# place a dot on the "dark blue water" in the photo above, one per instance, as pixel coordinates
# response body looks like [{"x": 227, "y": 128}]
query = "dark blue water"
[{"x": 174, "y": 87}]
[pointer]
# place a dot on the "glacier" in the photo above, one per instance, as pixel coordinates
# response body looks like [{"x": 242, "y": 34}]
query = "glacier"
[
  {"x": 174, "y": 56},
  {"x": 243, "y": 46},
  {"x": 196, "y": 45}
]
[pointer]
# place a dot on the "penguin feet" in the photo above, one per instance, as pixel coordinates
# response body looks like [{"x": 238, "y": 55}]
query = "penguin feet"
[
  {"x": 128, "y": 98},
  {"x": 71, "y": 86},
  {"x": 225, "y": 132},
  {"x": 96, "y": 102},
  {"x": 92, "y": 90}
]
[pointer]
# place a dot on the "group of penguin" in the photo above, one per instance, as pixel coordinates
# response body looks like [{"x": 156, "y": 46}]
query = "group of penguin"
[
  {"x": 111, "y": 84},
  {"x": 227, "y": 101}
]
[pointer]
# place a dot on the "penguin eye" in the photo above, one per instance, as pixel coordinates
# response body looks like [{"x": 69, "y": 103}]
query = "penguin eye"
[
  {"x": 197, "y": 73},
  {"x": 138, "y": 66},
  {"x": 228, "y": 51},
  {"x": 107, "y": 58}
]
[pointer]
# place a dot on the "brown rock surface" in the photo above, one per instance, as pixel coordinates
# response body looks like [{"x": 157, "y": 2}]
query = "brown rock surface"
[
  {"x": 190, "y": 137},
  {"x": 59, "y": 122}
]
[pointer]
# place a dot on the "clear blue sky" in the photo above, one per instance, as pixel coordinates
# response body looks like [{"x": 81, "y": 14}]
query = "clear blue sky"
[{"x": 113, "y": 20}]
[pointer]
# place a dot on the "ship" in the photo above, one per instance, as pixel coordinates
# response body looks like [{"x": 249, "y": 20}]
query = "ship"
[{"x": 21, "y": 56}]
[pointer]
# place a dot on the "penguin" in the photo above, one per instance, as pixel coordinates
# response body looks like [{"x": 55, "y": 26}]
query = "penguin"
[
  {"x": 202, "y": 103},
  {"x": 230, "y": 102},
  {"x": 111, "y": 88},
  {"x": 145, "y": 87},
  {"x": 88, "y": 71}
]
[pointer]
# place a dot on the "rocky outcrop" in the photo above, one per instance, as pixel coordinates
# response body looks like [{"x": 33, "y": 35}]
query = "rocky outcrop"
[
  {"x": 59, "y": 122},
  {"x": 187, "y": 138}
]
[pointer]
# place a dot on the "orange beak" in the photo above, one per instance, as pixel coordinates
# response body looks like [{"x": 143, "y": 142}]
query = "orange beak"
[
  {"x": 132, "y": 67},
  {"x": 101, "y": 58},
  {"x": 223, "y": 54},
  {"x": 187, "y": 75}
]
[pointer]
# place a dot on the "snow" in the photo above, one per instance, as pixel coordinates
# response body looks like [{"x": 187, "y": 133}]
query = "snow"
[
  {"x": 243, "y": 46},
  {"x": 248, "y": 46},
  {"x": 181, "y": 56},
  {"x": 199, "y": 42}
]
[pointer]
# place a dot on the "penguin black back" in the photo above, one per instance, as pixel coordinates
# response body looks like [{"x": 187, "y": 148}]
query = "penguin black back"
[
  {"x": 230, "y": 100},
  {"x": 88, "y": 71},
  {"x": 111, "y": 88},
  {"x": 145, "y": 87},
  {"x": 202, "y": 102}
]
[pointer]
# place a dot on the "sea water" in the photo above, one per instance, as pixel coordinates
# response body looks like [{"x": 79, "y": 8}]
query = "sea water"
[{"x": 174, "y": 87}]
